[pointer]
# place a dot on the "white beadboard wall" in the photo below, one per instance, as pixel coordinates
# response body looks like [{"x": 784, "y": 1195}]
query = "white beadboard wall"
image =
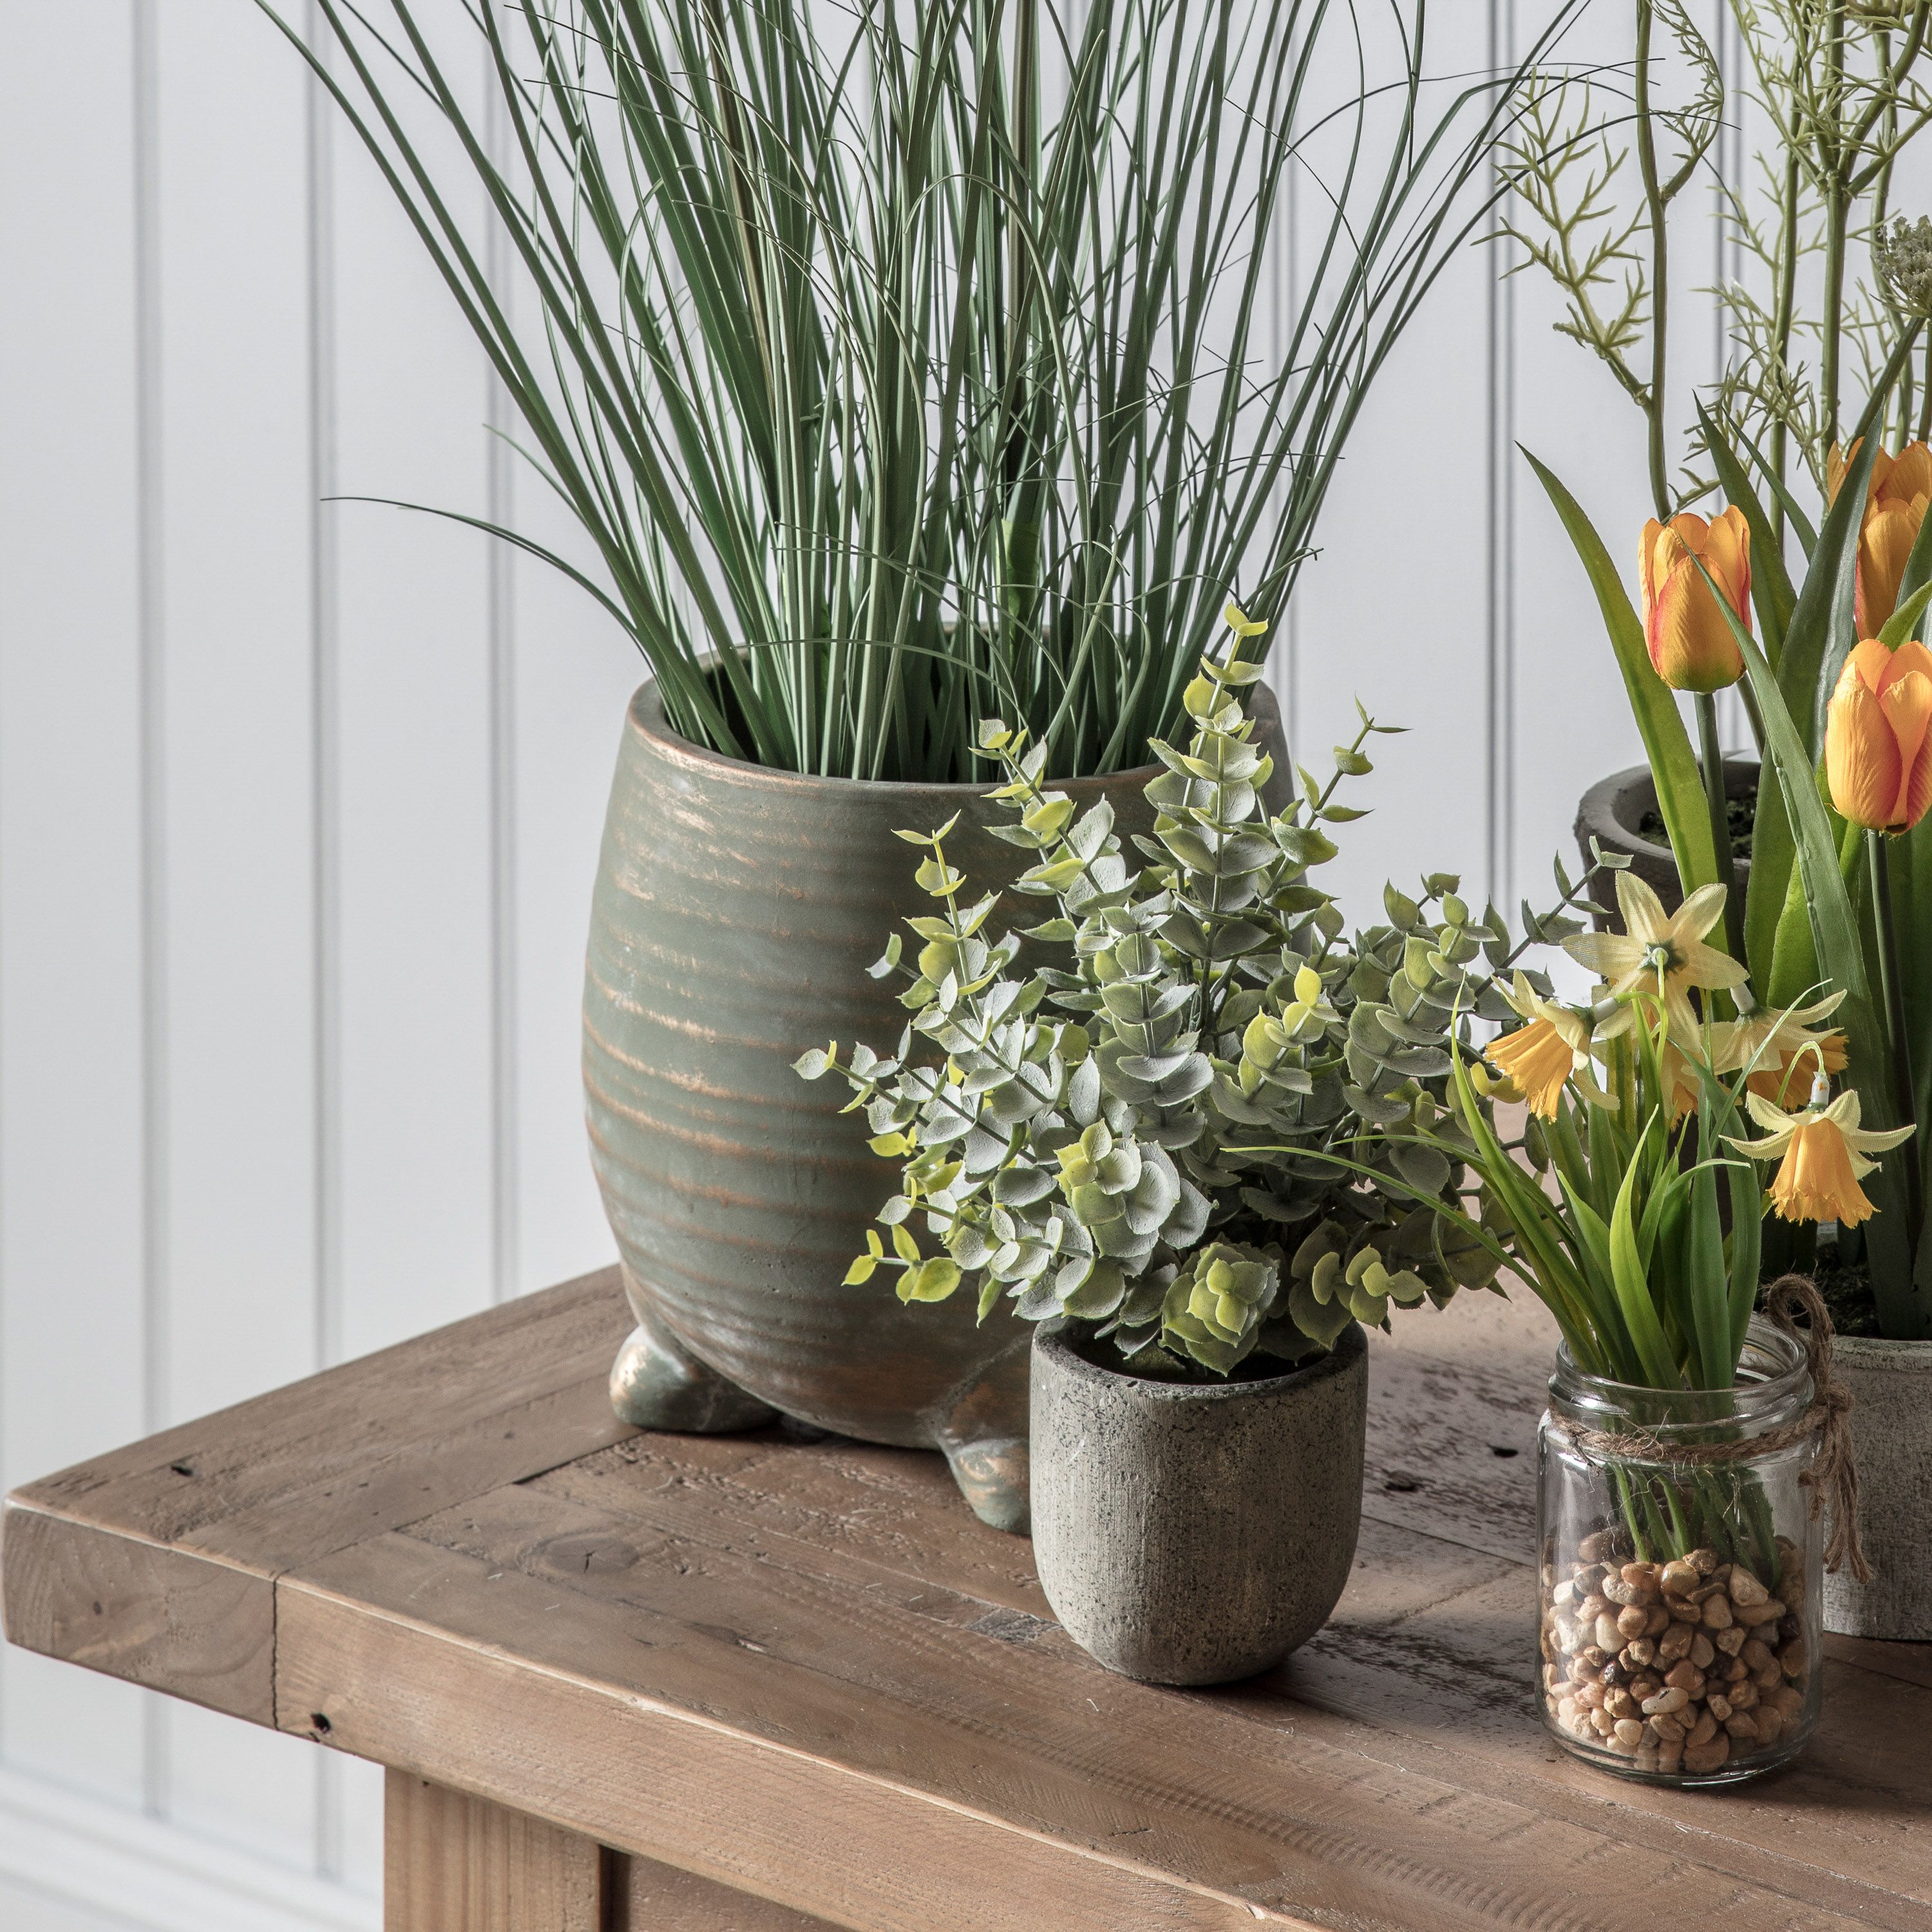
[{"x": 299, "y": 806}]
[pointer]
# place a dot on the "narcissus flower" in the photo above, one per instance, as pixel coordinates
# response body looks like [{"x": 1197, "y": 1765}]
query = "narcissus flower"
[
  {"x": 1778, "y": 1050},
  {"x": 1690, "y": 644},
  {"x": 1878, "y": 736},
  {"x": 1659, "y": 953},
  {"x": 1895, "y": 503},
  {"x": 1538, "y": 1058},
  {"x": 1825, "y": 1154}
]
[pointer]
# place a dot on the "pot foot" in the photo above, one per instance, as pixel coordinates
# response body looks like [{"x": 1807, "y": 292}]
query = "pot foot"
[
  {"x": 992, "y": 1473},
  {"x": 654, "y": 1383}
]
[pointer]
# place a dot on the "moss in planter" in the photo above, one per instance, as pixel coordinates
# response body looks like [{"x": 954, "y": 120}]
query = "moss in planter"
[
  {"x": 1740, "y": 809},
  {"x": 1845, "y": 1284}
]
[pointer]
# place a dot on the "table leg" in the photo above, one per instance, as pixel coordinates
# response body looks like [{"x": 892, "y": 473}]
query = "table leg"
[{"x": 455, "y": 1864}]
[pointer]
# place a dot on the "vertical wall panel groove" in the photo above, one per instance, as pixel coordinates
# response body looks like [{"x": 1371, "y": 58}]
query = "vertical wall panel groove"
[
  {"x": 153, "y": 700},
  {"x": 500, "y": 497},
  {"x": 318, "y": 125},
  {"x": 1500, "y": 460}
]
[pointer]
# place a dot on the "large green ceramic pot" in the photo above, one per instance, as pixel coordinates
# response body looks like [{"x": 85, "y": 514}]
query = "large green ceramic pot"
[{"x": 736, "y": 910}]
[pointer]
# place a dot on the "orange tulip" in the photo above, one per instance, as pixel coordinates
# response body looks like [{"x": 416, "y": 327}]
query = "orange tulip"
[
  {"x": 1690, "y": 644},
  {"x": 1895, "y": 504},
  {"x": 1878, "y": 736}
]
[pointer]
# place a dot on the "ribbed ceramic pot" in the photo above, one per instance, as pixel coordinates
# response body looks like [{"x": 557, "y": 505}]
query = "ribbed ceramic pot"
[
  {"x": 1890, "y": 1387},
  {"x": 1189, "y": 1533},
  {"x": 736, "y": 910}
]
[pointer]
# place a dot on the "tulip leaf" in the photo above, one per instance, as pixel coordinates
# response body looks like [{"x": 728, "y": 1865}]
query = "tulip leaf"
[
  {"x": 1802, "y": 526},
  {"x": 1917, "y": 572},
  {"x": 1822, "y": 630},
  {"x": 1772, "y": 596},
  {"x": 1680, "y": 785},
  {"x": 1912, "y": 909},
  {"x": 1769, "y": 884},
  {"x": 1904, "y": 621},
  {"x": 1835, "y": 936}
]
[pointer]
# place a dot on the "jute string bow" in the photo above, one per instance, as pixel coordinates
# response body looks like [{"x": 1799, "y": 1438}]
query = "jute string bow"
[{"x": 1834, "y": 1474}]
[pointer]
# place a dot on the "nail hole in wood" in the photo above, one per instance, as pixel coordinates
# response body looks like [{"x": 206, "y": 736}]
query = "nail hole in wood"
[
  {"x": 318, "y": 1723},
  {"x": 1500, "y": 1449}
]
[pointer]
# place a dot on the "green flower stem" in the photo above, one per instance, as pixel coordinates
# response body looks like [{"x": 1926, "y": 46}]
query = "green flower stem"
[
  {"x": 1891, "y": 985},
  {"x": 1720, "y": 822},
  {"x": 1657, "y": 203}
]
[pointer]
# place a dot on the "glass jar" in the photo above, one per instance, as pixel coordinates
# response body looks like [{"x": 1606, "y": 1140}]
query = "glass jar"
[{"x": 1679, "y": 1635}]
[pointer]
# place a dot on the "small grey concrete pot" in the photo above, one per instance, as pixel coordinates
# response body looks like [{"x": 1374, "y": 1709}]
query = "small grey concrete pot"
[
  {"x": 1194, "y": 1533},
  {"x": 1891, "y": 1386}
]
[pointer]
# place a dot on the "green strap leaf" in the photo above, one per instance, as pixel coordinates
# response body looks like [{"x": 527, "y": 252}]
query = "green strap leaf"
[
  {"x": 1631, "y": 1279},
  {"x": 1820, "y": 636},
  {"x": 1680, "y": 786},
  {"x": 1772, "y": 596}
]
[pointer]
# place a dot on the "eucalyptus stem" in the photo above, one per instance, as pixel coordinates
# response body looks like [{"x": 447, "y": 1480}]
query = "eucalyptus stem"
[
  {"x": 1878, "y": 851},
  {"x": 1717, "y": 799}
]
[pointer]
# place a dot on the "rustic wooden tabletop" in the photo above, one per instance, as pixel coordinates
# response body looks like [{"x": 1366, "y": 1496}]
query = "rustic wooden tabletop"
[{"x": 748, "y": 1684}]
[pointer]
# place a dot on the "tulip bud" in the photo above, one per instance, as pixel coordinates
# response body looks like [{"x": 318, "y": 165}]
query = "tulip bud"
[
  {"x": 1690, "y": 643},
  {"x": 1895, "y": 504},
  {"x": 1878, "y": 736}
]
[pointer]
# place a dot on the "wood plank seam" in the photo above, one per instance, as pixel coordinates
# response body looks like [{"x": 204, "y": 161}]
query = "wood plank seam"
[{"x": 813, "y": 1766}]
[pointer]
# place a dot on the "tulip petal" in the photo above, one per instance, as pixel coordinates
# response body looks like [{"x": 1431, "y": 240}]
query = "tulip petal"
[
  {"x": 1884, "y": 545},
  {"x": 1910, "y": 656},
  {"x": 1646, "y": 563},
  {"x": 1910, "y": 474},
  {"x": 1861, "y": 760},
  {"x": 1869, "y": 662},
  {"x": 1906, "y": 702},
  {"x": 1728, "y": 554}
]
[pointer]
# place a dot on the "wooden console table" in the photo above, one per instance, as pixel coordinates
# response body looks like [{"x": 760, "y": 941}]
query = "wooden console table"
[{"x": 751, "y": 1684}]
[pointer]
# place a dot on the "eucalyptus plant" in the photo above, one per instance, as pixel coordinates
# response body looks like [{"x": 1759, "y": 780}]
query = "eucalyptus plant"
[
  {"x": 1186, "y": 1107},
  {"x": 900, "y": 363}
]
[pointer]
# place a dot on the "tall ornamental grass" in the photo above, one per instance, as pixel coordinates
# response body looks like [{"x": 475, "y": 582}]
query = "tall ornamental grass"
[{"x": 910, "y": 361}]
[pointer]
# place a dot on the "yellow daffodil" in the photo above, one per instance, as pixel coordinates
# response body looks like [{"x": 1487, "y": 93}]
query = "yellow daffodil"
[
  {"x": 1778, "y": 1051},
  {"x": 1538, "y": 1057},
  {"x": 1660, "y": 953},
  {"x": 1825, "y": 1155}
]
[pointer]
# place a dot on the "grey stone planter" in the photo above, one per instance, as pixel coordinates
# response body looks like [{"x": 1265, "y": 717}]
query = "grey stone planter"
[
  {"x": 1193, "y": 1535},
  {"x": 1891, "y": 1385},
  {"x": 1610, "y": 812}
]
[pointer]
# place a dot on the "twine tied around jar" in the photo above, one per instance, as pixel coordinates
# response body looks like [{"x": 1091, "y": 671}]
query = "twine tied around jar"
[{"x": 1834, "y": 1474}]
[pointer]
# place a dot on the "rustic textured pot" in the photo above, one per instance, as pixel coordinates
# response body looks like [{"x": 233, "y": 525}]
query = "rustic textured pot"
[
  {"x": 1891, "y": 1386},
  {"x": 736, "y": 910},
  {"x": 1194, "y": 1533},
  {"x": 1612, "y": 809}
]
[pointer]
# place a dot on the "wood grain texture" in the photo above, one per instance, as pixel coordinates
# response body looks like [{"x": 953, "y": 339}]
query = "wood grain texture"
[
  {"x": 180, "y": 1538},
  {"x": 802, "y": 1675},
  {"x": 141, "y": 1610},
  {"x": 453, "y": 1863},
  {"x": 648, "y": 1897}
]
